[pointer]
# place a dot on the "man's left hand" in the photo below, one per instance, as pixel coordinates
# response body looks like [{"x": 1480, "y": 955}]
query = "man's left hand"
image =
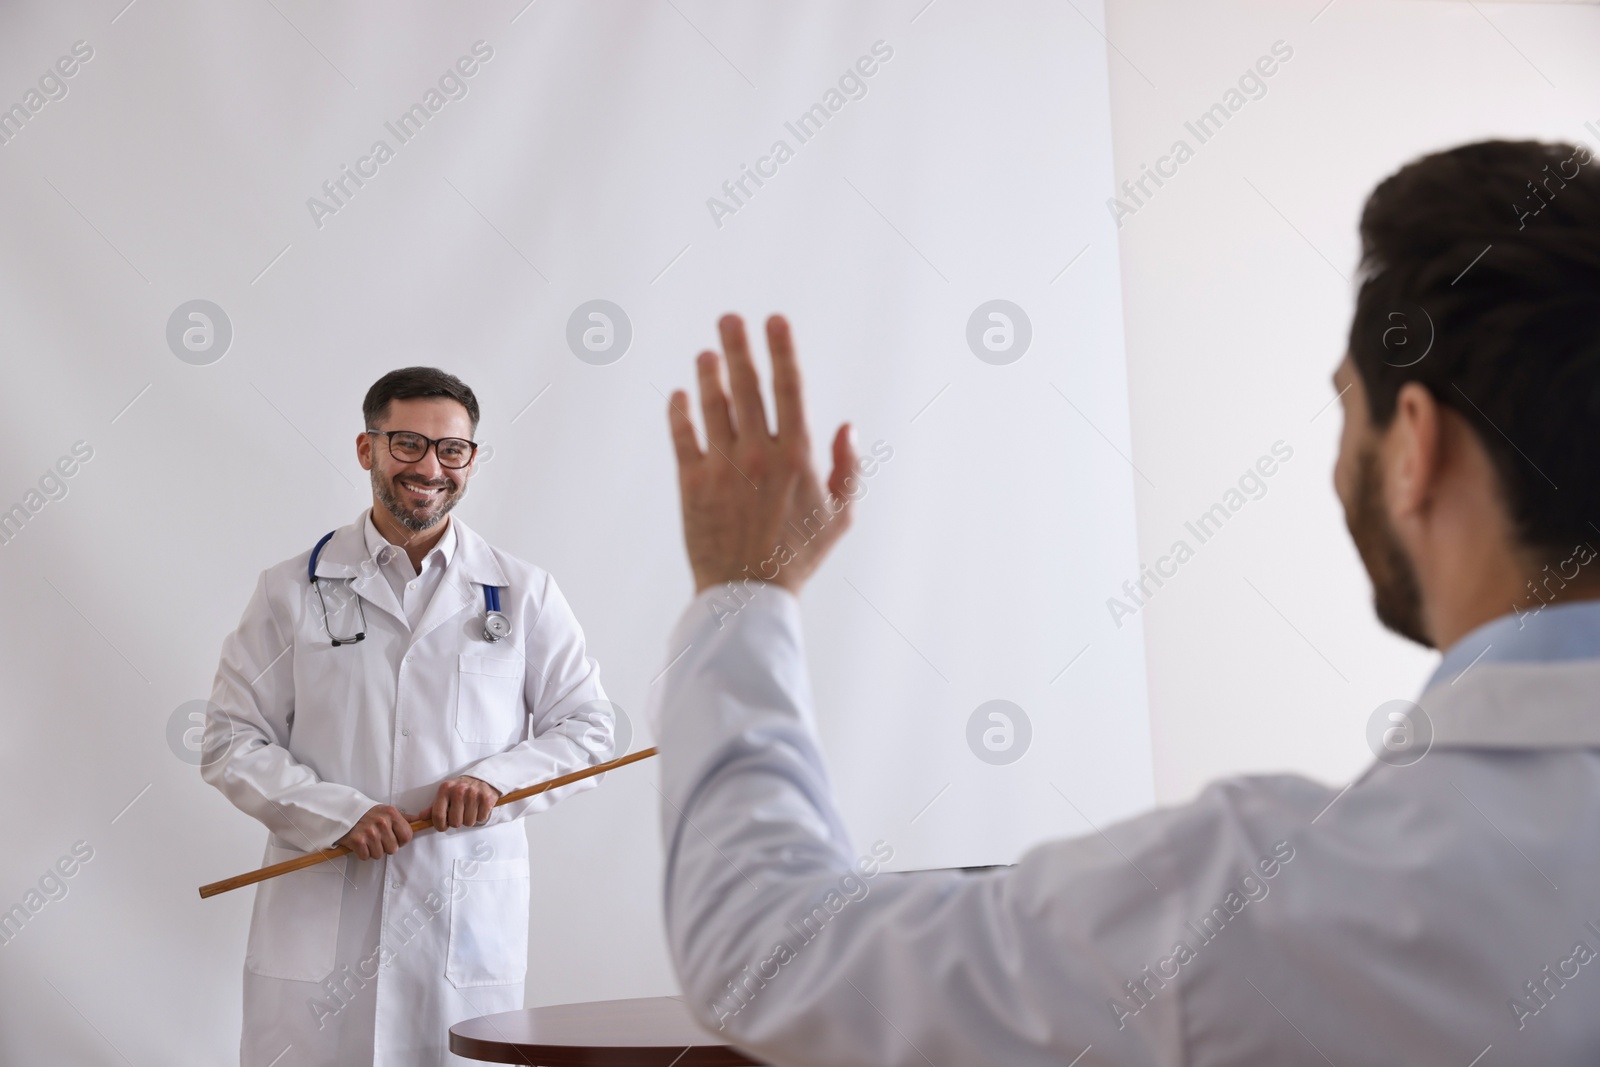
[{"x": 464, "y": 801}]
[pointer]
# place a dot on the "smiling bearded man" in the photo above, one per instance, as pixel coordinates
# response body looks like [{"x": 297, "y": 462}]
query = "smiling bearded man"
[{"x": 401, "y": 665}]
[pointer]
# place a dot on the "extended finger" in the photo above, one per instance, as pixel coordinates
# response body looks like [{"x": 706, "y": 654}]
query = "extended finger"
[
  {"x": 713, "y": 400},
  {"x": 684, "y": 441},
  {"x": 787, "y": 387},
  {"x": 749, "y": 414},
  {"x": 843, "y": 481}
]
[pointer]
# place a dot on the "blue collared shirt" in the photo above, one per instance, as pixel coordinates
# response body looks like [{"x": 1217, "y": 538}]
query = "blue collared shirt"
[{"x": 1550, "y": 634}]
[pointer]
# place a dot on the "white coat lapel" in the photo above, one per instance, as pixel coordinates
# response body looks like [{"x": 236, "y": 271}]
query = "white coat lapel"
[
  {"x": 345, "y": 556},
  {"x": 461, "y": 589}
]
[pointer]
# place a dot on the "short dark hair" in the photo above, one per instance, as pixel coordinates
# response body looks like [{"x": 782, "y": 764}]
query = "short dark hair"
[
  {"x": 409, "y": 383},
  {"x": 1498, "y": 246}
]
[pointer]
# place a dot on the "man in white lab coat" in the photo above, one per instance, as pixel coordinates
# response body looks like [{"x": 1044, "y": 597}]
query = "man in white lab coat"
[
  {"x": 348, "y": 704},
  {"x": 1444, "y": 908}
]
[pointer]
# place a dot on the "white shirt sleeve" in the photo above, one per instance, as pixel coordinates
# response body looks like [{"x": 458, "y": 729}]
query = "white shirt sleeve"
[{"x": 790, "y": 947}]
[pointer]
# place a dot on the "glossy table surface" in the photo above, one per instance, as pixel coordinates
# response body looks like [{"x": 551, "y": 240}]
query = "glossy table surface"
[{"x": 647, "y": 1032}]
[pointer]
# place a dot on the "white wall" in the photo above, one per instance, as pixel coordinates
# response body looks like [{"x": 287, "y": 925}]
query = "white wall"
[{"x": 1237, "y": 313}]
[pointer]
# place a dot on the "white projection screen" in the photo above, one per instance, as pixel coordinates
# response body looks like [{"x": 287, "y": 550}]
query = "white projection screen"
[{"x": 934, "y": 226}]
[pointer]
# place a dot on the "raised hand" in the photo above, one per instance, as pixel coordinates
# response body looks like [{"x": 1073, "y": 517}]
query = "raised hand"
[{"x": 753, "y": 506}]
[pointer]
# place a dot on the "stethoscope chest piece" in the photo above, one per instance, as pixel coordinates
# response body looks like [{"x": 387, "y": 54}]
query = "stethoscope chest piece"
[
  {"x": 496, "y": 623},
  {"x": 495, "y": 626}
]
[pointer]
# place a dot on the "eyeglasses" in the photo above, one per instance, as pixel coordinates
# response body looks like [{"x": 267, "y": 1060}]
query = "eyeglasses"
[{"x": 409, "y": 447}]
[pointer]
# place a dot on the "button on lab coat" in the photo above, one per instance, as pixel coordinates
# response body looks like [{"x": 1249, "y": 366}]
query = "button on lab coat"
[
  {"x": 1420, "y": 916},
  {"x": 371, "y": 961}
]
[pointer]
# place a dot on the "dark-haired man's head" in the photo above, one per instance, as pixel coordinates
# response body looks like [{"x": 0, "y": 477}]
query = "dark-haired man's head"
[
  {"x": 403, "y": 411},
  {"x": 1469, "y": 466}
]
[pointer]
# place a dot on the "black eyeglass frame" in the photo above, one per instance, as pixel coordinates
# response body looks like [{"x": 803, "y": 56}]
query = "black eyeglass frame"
[{"x": 430, "y": 442}]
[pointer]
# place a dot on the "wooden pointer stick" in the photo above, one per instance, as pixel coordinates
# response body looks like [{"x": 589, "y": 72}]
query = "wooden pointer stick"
[{"x": 311, "y": 859}]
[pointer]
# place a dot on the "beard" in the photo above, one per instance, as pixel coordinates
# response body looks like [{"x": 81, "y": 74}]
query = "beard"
[
  {"x": 419, "y": 518},
  {"x": 1396, "y": 596}
]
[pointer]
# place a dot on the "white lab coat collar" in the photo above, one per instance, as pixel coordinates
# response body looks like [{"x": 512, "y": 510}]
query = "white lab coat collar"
[
  {"x": 473, "y": 560},
  {"x": 472, "y": 564},
  {"x": 1518, "y": 705},
  {"x": 1523, "y": 680}
]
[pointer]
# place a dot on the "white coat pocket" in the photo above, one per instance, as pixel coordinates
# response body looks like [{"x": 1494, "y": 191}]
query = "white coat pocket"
[
  {"x": 489, "y": 700},
  {"x": 488, "y": 922},
  {"x": 294, "y": 930}
]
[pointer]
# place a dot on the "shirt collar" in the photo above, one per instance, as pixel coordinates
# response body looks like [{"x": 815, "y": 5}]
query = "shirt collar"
[
  {"x": 1523, "y": 680},
  {"x": 1551, "y": 633},
  {"x": 377, "y": 543}
]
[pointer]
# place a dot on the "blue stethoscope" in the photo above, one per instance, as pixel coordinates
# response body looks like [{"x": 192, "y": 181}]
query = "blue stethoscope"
[{"x": 496, "y": 623}]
